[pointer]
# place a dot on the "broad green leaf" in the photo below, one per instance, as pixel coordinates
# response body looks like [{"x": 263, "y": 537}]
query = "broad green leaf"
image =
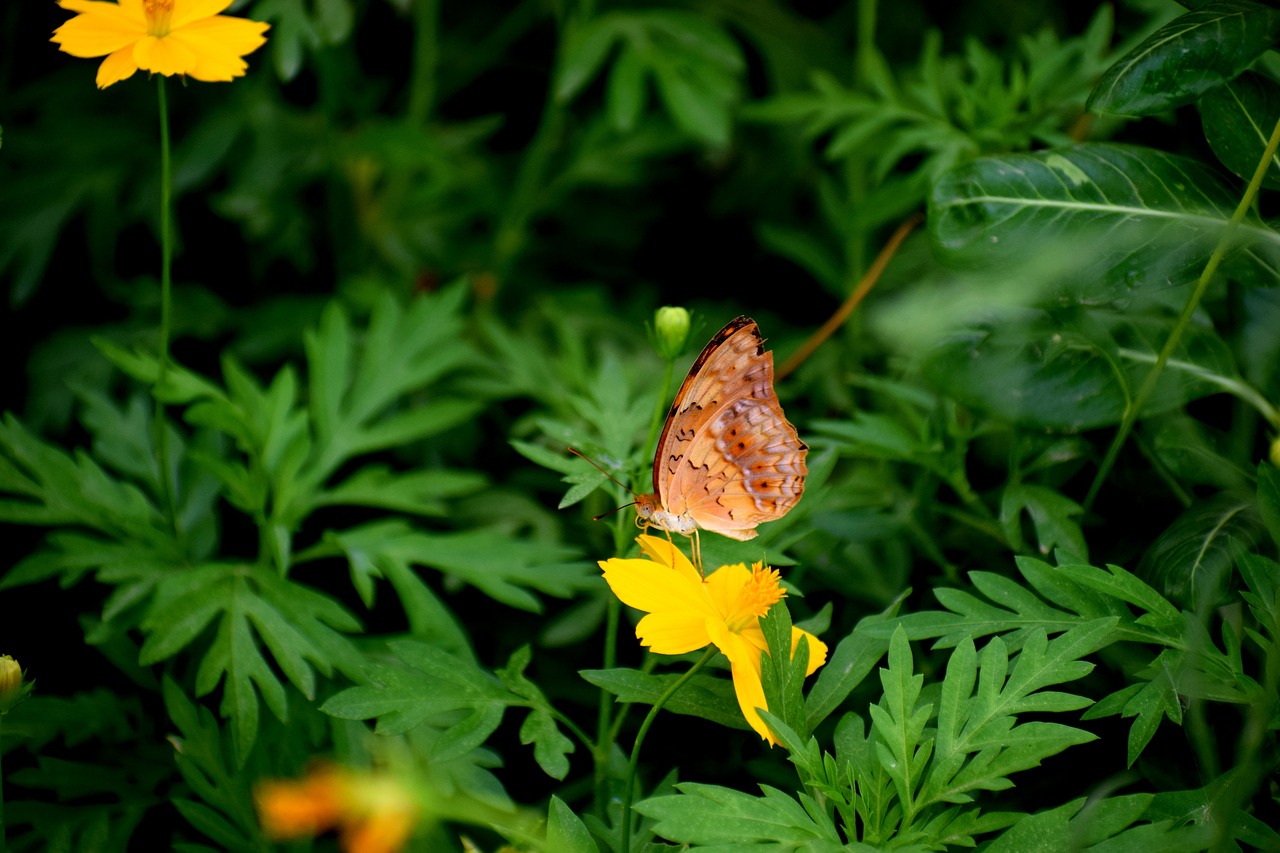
[
  {"x": 1187, "y": 57},
  {"x": 1191, "y": 562},
  {"x": 702, "y": 696},
  {"x": 1238, "y": 119},
  {"x": 1198, "y": 453},
  {"x": 1097, "y": 221},
  {"x": 1078, "y": 370}
]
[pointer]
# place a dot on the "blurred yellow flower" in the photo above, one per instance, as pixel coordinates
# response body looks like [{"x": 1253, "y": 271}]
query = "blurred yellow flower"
[
  {"x": 374, "y": 813},
  {"x": 686, "y": 612},
  {"x": 161, "y": 36}
]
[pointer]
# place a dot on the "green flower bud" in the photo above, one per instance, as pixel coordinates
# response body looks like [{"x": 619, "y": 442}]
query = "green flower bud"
[
  {"x": 11, "y": 686},
  {"x": 670, "y": 331}
]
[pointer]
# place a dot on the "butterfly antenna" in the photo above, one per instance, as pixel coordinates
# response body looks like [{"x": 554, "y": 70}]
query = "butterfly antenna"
[{"x": 601, "y": 469}]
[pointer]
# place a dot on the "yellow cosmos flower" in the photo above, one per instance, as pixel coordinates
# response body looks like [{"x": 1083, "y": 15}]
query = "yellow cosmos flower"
[
  {"x": 686, "y": 612},
  {"x": 373, "y": 813},
  {"x": 161, "y": 36}
]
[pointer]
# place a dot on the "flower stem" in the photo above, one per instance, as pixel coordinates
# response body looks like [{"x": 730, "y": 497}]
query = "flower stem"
[
  {"x": 660, "y": 411},
  {"x": 629, "y": 790},
  {"x": 426, "y": 50},
  {"x": 166, "y": 302},
  {"x": 1175, "y": 337},
  {"x": 2, "y": 841}
]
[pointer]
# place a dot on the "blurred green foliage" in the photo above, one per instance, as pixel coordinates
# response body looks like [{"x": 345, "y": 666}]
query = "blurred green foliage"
[{"x": 418, "y": 247}]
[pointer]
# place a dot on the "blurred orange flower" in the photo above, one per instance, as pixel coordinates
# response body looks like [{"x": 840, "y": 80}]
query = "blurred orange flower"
[
  {"x": 161, "y": 36},
  {"x": 373, "y": 813}
]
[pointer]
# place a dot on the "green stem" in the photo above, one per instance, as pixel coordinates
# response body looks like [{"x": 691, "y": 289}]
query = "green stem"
[
  {"x": 426, "y": 54},
  {"x": 2, "y": 841},
  {"x": 1175, "y": 337},
  {"x": 660, "y": 411},
  {"x": 166, "y": 303},
  {"x": 629, "y": 790},
  {"x": 605, "y": 732}
]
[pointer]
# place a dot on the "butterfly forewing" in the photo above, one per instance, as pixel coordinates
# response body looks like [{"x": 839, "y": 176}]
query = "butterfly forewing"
[{"x": 728, "y": 459}]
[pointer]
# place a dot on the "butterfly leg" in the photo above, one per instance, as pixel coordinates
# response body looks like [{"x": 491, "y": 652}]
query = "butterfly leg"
[{"x": 697, "y": 552}]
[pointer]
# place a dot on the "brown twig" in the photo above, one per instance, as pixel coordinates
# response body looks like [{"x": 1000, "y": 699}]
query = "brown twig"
[{"x": 864, "y": 287}]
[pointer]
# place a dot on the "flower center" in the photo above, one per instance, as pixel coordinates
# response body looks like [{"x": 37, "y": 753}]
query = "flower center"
[
  {"x": 755, "y": 598},
  {"x": 158, "y": 13}
]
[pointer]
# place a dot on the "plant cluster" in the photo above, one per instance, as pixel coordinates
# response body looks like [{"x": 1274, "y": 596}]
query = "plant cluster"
[{"x": 300, "y": 557}]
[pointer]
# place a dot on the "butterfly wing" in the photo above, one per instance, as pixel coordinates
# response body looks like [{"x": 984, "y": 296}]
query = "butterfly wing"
[{"x": 728, "y": 457}]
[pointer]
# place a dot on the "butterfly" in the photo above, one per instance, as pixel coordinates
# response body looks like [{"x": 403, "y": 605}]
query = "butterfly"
[{"x": 728, "y": 458}]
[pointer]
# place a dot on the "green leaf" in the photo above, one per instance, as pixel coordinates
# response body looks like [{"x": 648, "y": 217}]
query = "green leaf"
[
  {"x": 253, "y": 608},
  {"x": 503, "y": 568},
  {"x": 852, "y": 661},
  {"x": 782, "y": 672},
  {"x": 1094, "y": 222},
  {"x": 628, "y": 93},
  {"x": 550, "y": 746},
  {"x": 1077, "y": 371},
  {"x": 1238, "y": 118},
  {"x": 1150, "y": 703},
  {"x": 584, "y": 50},
  {"x": 226, "y": 813},
  {"x": 711, "y": 815},
  {"x": 420, "y": 492},
  {"x": 1052, "y": 515},
  {"x": 1191, "y": 562},
  {"x": 1104, "y": 826},
  {"x": 1187, "y": 57},
  {"x": 1269, "y": 499},
  {"x": 702, "y": 696},
  {"x": 1197, "y": 453},
  {"x": 429, "y": 683},
  {"x": 565, "y": 830}
]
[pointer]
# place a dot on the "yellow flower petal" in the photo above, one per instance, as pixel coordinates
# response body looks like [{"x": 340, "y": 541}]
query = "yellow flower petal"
[
  {"x": 166, "y": 56},
  {"x": 186, "y": 11},
  {"x": 97, "y": 33},
  {"x": 673, "y": 633},
  {"x": 125, "y": 12},
  {"x": 744, "y": 663},
  {"x": 725, "y": 583},
  {"x": 649, "y": 586},
  {"x": 116, "y": 67},
  {"x": 817, "y": 649},
  {"x": 223, "y": 34},
  {"x": 665, "y": 552},
  {"x": 218, "y": 45}
]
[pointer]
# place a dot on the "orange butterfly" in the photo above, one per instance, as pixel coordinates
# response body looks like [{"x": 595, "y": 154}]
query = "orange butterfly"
[{"x": 728, "y": 458}]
